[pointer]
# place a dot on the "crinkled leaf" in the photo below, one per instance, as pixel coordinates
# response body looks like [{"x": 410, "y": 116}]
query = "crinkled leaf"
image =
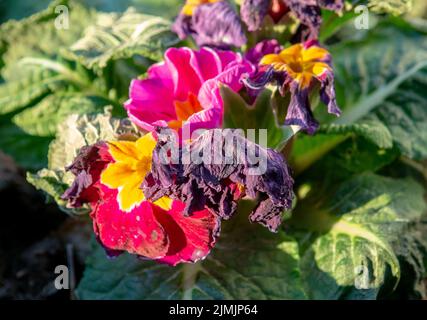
[
  {"x": 405, "y": 114},
  {"x": 53, "y": 183},
  {"x": 349, "y": 238},
  {"x": 19, "y": 93},
  {"x": 371, "y": 129},
  {"x": 370, "y": 70},
  {"x": 378, "y": 140},
  {"x": 395, "y": 7},
  {"x": 43, "y": 118},
  {"x": 72, "y": 134},
  {"x": 387, "y": 83},
  {"x": 37, "y": 36},
  {"x": 116, "y": 36},
  {"x": 247, "y": 263},
  {"x": 411, "y": 250}
]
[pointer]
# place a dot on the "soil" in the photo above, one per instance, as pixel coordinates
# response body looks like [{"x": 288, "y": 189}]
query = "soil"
[{"x": 35, "y": 237}]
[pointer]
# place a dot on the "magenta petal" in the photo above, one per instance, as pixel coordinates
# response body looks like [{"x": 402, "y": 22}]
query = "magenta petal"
[
  {"x": 209, "y": 95},
  {"x": 186, "y": 72},
  {"x": 185, "y": 78}
]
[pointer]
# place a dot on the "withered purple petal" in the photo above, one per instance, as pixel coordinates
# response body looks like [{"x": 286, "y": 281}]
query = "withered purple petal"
[
  {"x": 332, "y": 5},
  {"x": 87, "y": 167},
  {"x": 217, "y": 25},
  {"x": 299, "y": 111},
  {"x": 182, "y": 26},
  {"x": 327, "y": 94},
  {"x": 261, "y": 49},
  {"x": 82, "y": 181},
  {"x": 253, "y": 13},
  {"x": 309, "y": 14},
  {"x": 211, "y": 185}
]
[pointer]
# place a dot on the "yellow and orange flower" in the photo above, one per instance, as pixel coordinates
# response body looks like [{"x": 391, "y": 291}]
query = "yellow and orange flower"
[
  {"x": 294, "y": 70},
  {"x": 302, "y": 64}
]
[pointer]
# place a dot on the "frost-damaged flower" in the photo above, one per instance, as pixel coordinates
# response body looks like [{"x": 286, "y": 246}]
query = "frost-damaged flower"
[
  {"x": 211, "y": 23},
  {"x": 254, "y": 55},
  {"x": 308, "y": 12},
  {"x": 218, "y": 185},
  {"x": 297, "y": 68},
  {"x": 262, "y": 48},
  {"x": 184, "y": 89},
  {"x": 108, "y": 176}
]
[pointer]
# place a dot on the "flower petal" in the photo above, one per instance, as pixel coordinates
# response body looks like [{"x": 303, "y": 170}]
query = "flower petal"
[
  {"x": 327, "y": 94},
  {"x": 217, "y": 25},
  {"x": 137, "y": 232},
  {"x": 191, "y": 238},
  {"x": 299, "y": 111},
  {"x": 87, "y": 167},
  {"x": 253, "y": 13},
  {"x": 213, "y": 186},
  {"x": 261, "y": 49}
]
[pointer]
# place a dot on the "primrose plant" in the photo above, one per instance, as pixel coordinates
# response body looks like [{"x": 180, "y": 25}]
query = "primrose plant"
[{"x": 178, "y": 139}]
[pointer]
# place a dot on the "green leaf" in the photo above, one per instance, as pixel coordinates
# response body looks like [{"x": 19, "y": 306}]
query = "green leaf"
[
  {"x": 28, "y": 151},
  {"x": 249, "y": 262},
  {"x": 117, "y": 36},
  {"x": 349, "y": 239},
  {"x": 412, "y": 253},
  {"x": 239, "y": 115},
  {"x": 73, "y": 133},
  {"x": 309, "y": 149},
  {"x": 52, "y": 182},
  {"x": 19, "y": 93},
  {"x": 369, "y": 71},
  {"x": 43, "y": 118},
  {"x": 371, "y": 129},
  {"x": 405, "y": 114},
  {"x": 162, "y": 8},
  {"x": 395, "y": 7},
  {"x": 37, "y": 36}
]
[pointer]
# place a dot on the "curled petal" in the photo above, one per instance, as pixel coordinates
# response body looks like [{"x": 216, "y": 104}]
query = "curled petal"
[
  {"x": 87, "y": 168},
  {"x": 327, "y": 94},
  {"x": 137, "y": 231},
  {"x": 150, "y": 230},
  {"x": 299, "y": 111}
]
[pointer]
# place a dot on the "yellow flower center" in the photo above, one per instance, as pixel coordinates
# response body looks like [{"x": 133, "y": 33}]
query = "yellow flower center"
[
  {"x": 184, "y": 109},
  {"x": 191, "y": 5},
  {"x": 299, "y": 63},
  {"x": 132, "y": 163}
]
